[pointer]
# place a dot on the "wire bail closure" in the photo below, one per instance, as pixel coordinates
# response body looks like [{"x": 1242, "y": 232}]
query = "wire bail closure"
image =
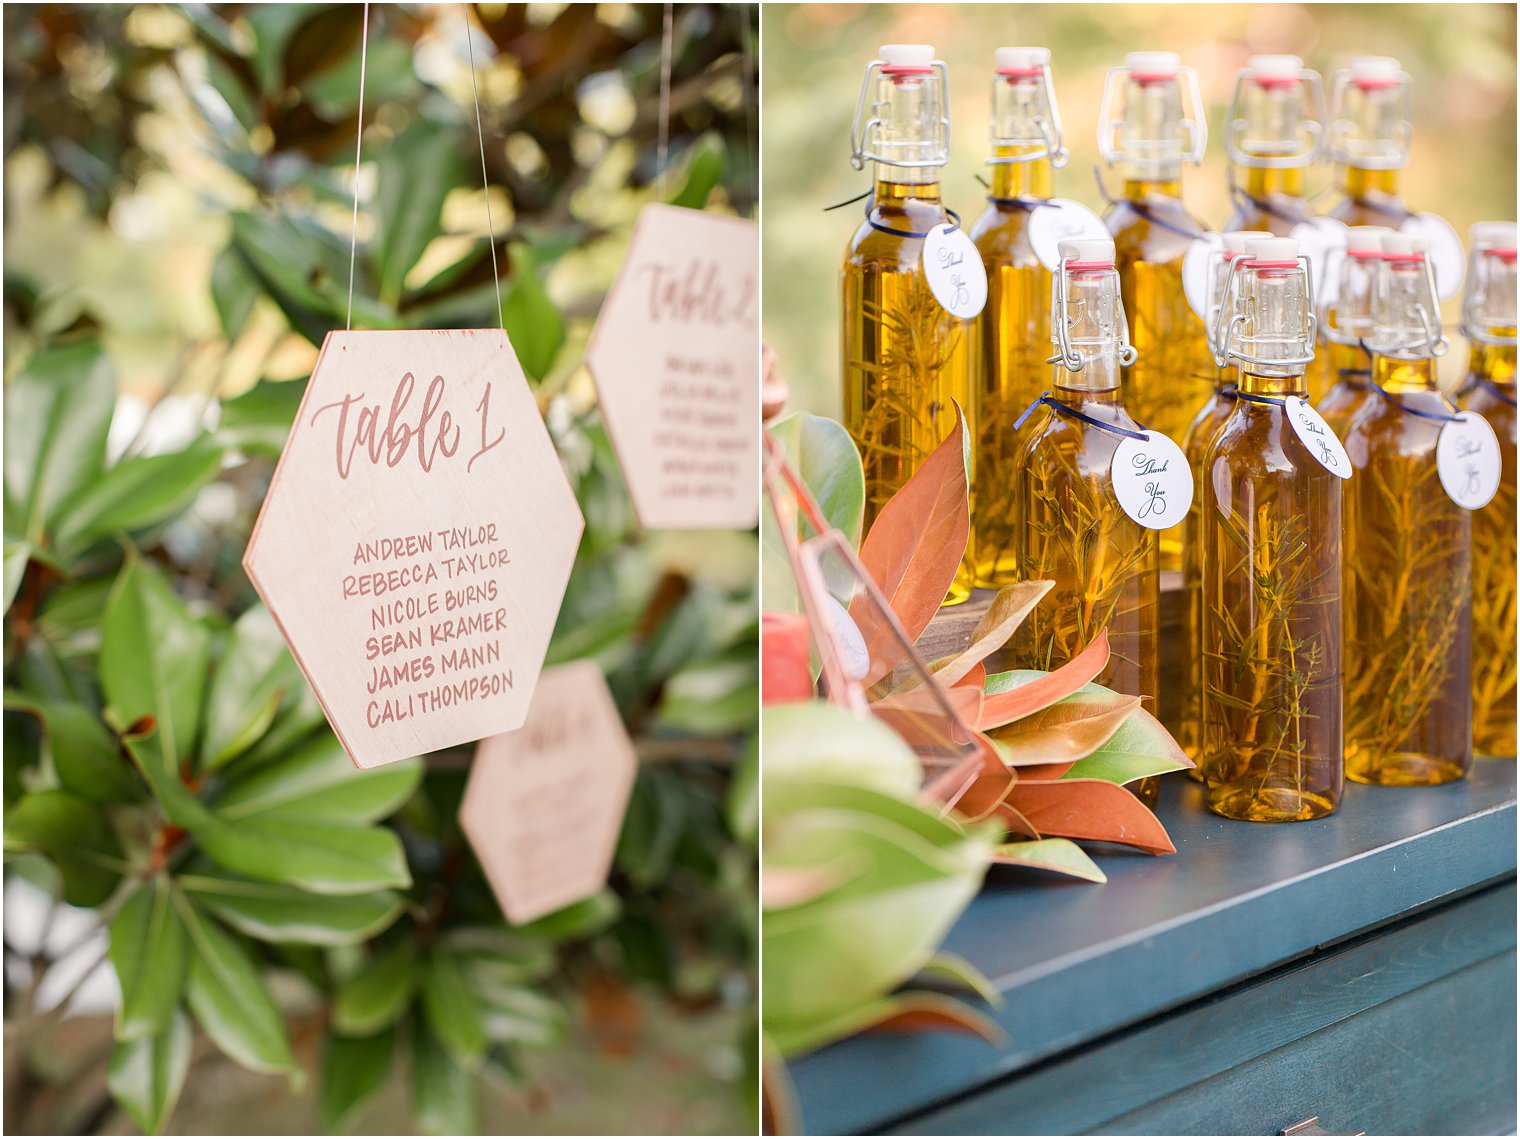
[
  {"x": 1311, "y": 127},
  {"x": 1228, "y": 336},
  {"x": 1395, "y": 152},
  {"x": 1432, "y": 339},
  {"x": 862, "y": 130},
  {"x": 1067, "y": 356},
  {"x": 1474, "y": 293},
  {"x": 1051, "y": 135},
  {"x": 1195, "y": 127}
]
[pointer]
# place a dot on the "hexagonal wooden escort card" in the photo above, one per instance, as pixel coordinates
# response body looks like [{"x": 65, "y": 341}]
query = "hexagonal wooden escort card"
[
  {"x": 544, "y": 804},
  {"x": 676, "y": 359},
  {"x": 416, "y": 539}
]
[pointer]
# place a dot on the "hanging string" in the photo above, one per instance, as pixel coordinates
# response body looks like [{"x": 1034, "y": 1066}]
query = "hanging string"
[
  {"x": 954, "y": 217},
  {"x": 750, "y": 134},
  {"x": 1407, "y": 410},
  {"x": 353, "y": 233},
  {"x": 485, "y": 182},
  {"x": 667, "y": 42},
  {"x": 1244, "y": 197},
  {"x": 850, "y": 201},
  {"x": 1142, "y": 209},
  {"x": 1067, "y": 410},
  {"x": 1490, "y": 387}
]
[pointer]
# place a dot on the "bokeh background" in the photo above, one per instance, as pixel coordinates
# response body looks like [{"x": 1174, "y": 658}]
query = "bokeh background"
[{"x": 1461, "y": 58}]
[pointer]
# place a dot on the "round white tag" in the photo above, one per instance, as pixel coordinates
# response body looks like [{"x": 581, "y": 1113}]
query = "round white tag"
[
  {"x": 857, "y": 660},
  {"x": 955, "y": 272},
  {"x": 1323, "y": 241},
  {"x": 1195, "y": 272},
  {"x": 1152, "y": 480},
  {"x": 1058, "y": 220},
  {"x": 1467, "y": 457},
  {"x": 1315, "y": 434},
  {"x": 1445, "y": 251}
]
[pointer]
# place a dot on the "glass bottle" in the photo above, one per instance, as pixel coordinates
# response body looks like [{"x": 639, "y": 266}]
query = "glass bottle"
[
  {"x": 1345, "y": 322},
  {"x": 906, "y": 361},
  {"x": 1149, "y": 141},
  {"x": 1013, "y": 332},
  {"x": 1272, "y": 567},
  {"x": 1071, "y": 528},
  {"x": 1369, "y": 141},
  {"x": 1273, "y": 136},
  {"x": 1188, "y": 730},
  {"x": 1408, "y": 596},
  {"x": 1488, "y": 321}
]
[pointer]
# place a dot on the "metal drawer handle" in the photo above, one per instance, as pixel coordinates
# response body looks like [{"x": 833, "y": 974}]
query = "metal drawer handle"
[{"x": 1311, "y": 1126}]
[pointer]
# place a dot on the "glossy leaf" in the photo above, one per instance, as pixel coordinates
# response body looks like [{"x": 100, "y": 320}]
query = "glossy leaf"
[
  {"x": 703, "y": 169},
  {"x": 443, "y": 1092},
  {"x": 253, "y": 673},
  {"x": 579, "y": 919},
  {"x": 150, "y": 953},
  {"x": 57, "y": 414},
  {"x": 534, "y": 323},
  {"x": 354, "y": 1068},
  {"x": 230, "y": 1000},
  {"x": 453, "y": 1012},
  {"x": 1006, "y": 613},
  {"x": 416, "y": 172},
  {"x": 272, "y": 912},
  {"x": 323, "y": 857},
  {"x": 375, "y": 997},
  {"x": 1058, "y": 854},
  {"x": 17, "y": 554},
  {"x": 146, "y": 1075},
  {"x": 259, "y": 420},
  {"x": 815, "y": 741},
  {"x": 75, "y": 835},
  {"x": 234, "y": 289},
  {"x": 317, "y": 782},
  {"x": 153, "y": 660},
  {"x": 1068, "y": 730},
  {"x": 1140, "y": 747},
  {"x": 518, "y": 1015},
  {"x": 952, "y": 969},
  {"x": 136, "y": 493},
  {"x": 902, "y": 1012},
  {"x": 1090, "y": 809},
  {"x": 914, "y": 548},
  {"x": 827, "y": 461},
  {"x": 85, "y": 755},
  {"x": 1012, "y": 695}
]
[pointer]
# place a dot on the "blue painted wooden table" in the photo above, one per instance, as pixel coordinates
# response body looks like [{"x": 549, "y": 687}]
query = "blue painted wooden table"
[{"x": 1223, "y": 989}]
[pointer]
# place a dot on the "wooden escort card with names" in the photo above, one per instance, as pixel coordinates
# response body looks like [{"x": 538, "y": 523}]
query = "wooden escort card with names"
[
  {"x": 544, "y": 804},
  {"x": 676, "y": 359},
  {"x": 416, "y": 540}
]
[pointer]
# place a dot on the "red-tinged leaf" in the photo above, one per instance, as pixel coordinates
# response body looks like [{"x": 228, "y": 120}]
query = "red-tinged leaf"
[
  {"x": 1067, "y": 730},
  {"x": 1006, "y": 613},
  {"x": 951, "y": 784},
  {"x": 1046, "y": 770},
  {"x": 1060, "y": 855},
  {"x": 920, "y": 719},
  {"x": 1097, "y": 810},
  {"x": 913, "y": 550},
  {"x": 1005, "y": 707},
  {"x": 934, "y": 1012},
  {"x": 784, "y": 672},
  {"x": 976, "y": 678}
]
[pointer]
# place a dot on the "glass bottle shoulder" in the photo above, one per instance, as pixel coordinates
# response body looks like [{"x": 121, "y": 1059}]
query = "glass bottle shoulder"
[
  {"x": 1001, "y": 235},
  {"x": 1380, "y": 430},
  {"x": 876, "y": 244},
  {"x": 1157, "y": 230},
  {"x": 1065, "y": 444},
  {"x": 1257, "y": 441}
]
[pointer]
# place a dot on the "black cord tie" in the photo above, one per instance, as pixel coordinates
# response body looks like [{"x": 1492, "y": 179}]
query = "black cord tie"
[
  {"x": 1064, "y": 409},
  {"x": 1252, "y": 397},
  {"x": 871, "y": 204}
]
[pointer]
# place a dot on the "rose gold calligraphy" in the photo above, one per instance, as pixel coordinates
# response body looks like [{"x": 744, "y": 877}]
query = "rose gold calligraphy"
[{"x": 388, "y": 435}]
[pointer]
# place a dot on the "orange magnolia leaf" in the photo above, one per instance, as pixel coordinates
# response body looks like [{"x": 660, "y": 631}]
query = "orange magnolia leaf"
[
  {"x": 1046, "y": 770},
  {"x": 976, "y": 678},
  {"x": 1005, "y": 707},
  {"x": 921, "y": 720},
  {"x": 1067, "y": 730},
  {"x": 1006, "y": 613},
  {"x": 1092, "y": 809},
  {"x": 913, "y": 550},
  {"x": 931, "y": 1012}
]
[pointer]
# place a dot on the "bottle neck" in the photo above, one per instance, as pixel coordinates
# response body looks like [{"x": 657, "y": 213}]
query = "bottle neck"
[
  {"x": 1494, "y": 362},
  {"x": 1096, "y": 382},
  {"x": 1397, "y": 376},
  {"x": 1357, "y": 182},
  {"x": 1032, "y": 179},
  {"x": 1279, "y": 387},
  {"x": 894, "y": 187},
  {"x": 1151, "y": 134},
  {"x": 1138, "y": 189},
  {"x": 1265, "y": 182}
]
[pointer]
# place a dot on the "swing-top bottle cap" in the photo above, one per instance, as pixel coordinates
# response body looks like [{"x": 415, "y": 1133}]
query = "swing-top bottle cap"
[
  {"x": 1365, "y": 240},
  {"x": 1152, "y": 66},
  {"x": 1275, "y": 70},
  {"x": 1373, "y": 71},
  {"x": 1486, "y": 235},
  {"x": 1274, "y": 250},
  {"x": 1088, "y": 253},
  {"x": 907, "y": 59},
  {"x": 1234, "y": 241},
  {"x": 1403, "y": 247},
  {"x": 1021, "y": 62}
]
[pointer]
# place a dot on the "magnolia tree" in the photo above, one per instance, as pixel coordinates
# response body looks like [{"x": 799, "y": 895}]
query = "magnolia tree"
[{"x": 170, "y": 781}]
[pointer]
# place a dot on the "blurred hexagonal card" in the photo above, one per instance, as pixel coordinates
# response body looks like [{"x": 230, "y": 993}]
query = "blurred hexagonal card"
[
  {"x": 676, "y": 359},
  {"x": 416, "y": 539},
  {"x": 544, "y": 804}
]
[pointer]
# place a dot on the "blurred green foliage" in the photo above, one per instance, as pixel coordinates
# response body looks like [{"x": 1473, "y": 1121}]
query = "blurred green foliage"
[
  {"x": 1461, "y": 58},
  {"x": 179, "y": 189}
]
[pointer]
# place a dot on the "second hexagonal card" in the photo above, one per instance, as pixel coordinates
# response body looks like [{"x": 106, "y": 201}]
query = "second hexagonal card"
[{"x": 416, "y": 539}]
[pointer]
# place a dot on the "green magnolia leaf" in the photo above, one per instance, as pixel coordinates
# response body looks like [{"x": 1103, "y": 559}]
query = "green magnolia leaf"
[
  {"x": 1139, "y": 748},
  {"x": 827, "y": 461},
  {"x": 234, "y": 289},
  {"x": 17, "y": 555},
  {"x": 150, "y": 953},
  {"x": 1058, "y": 854},
  {"x": 75, "y": 835},
  {"x": 375, "y": 997},
  {"x": 85, "y": 755},
  {"x": 388, "y": 76},
  {"x": 354, "y": 1068},
  {"x": 918, "y": 1010},
  {"x": 416, "y": 172},
  {"x": 515, "y": 1015},
  {"x": 324, "y": 857},
  {"x": 443, "y": 1092},
  {"x": 453, "y": 1012},
  {"x": 496, "y": 957},
  {"x": 258, "y": 421},
  {"x": 147, "y": 1074},
  {"x": 231, "y": 1002},
  {"x": 299, "y": 720},
  {"x": 713, "y": 697},
  {"x": 252, "y": 676},
  {"x": 277, "y": 913},
  {"x": 153, "y": 659},
  {"x": 703, "y": 170},
  {"x": 534, "y": 324},
  {"x": 813, "y": 741},
  {"x": 651, "y": 828},
  {"x": 136, "y": 493},
  {"x": 57, "y": 415},
  {"x": 318, "y": 782},
  {"x": 742, "y": 807},
  {"x": 579, "y": 919}
]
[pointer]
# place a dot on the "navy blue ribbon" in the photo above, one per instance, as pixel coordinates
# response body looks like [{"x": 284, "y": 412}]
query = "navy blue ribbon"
[
  {"x": 871, "y": 205},
  {"x": 1142, "y": 209},
  {"x": 1414, "y": 410},
  {"x": 1057, "y": 406},
  {"x": 1252, "y": 397},
  {"x": 1489, "y": 386}
]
